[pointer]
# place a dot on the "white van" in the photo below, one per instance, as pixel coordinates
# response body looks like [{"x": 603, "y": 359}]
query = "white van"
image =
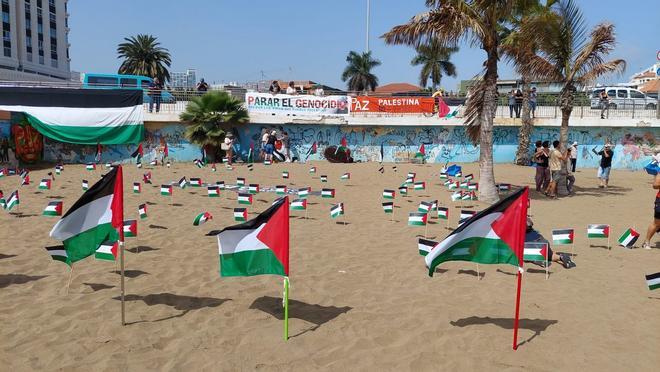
[{"x": 623, "y": 98}]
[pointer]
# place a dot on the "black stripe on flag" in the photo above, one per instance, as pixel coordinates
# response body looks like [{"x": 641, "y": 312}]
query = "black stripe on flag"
[
  {"x": 561, "y": 232},
  {"x": 62, "y": 97},
  {"x": 653, "y": 276},
  {"x": 104, "y": 187},
  {"x": 257, "y": 221},
  {"x": 500, "y": 207},
  {"x": 428, "y": 243}
]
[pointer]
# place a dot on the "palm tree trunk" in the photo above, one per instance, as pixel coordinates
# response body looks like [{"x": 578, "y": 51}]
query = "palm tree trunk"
[
  {"x": 487, "y": 188},
  {"x": 522, "y": 155},
  {"x": 566, "y": 103}
]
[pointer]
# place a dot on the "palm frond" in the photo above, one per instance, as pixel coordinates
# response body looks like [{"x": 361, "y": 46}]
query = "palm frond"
[
  {"x": 615, "y": 66},
  {"x": 601, "y": 42}
]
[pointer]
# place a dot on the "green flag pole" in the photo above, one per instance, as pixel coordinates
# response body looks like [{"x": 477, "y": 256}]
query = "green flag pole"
[{"x": 285, "y": 301}]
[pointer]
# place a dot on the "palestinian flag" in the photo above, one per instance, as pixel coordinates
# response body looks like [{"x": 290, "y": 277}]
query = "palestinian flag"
[
  {"x": 240, "y": 181},
  {"x": 154, "y": 162},
  {"x": 280, "y": 190},
  {"x": 324, "y": 178},
  {"x": 3, "y": 172},
  {"x": 12, "y": 201},
  {"x": 285, "y": 174},
  {"x": 473, "y": 186},
  {"x": 267, "y": 162},
  {"x": 434, "y": 205},
  {"x": 138, "y": 164},
  {"x": 628, "y": 238},
  {"x": 388, "y": 207},
  {"x": 58, "y": 253},
  {"x": 388, "y": 194},
  {"x": 44, "y": 184},
  {"x": 142, "y": 211},
  {"x": 81, "y": 116},
  {"x": 381, "y": 169},
  {"x": 424, "y": 207},
  {"x": 198, "y": 163},
  {"x": 443, "y": 213},
  {"x": 24, "y": 173},
  {"x": 562, "y": 236},
  {"x": 168, "y": 164},
  {"x": 183, "y": 182},
  {"x": 411, "y": 175},
  {"x": 196, "y": 182},
  {"x": 253, "y": 188},
  {"x": 465, "y": 215},
  {"x": 420, "y": 185},
  {"x": 504, "y": 186},
  {"x": 212, "y": 191},
  {"x": 3, "y": 202},
  {"x": 403, "y": 191},
  {"x": 394, "y": 168},
  {"x": 456, "y": 196},
  {"x": 25, "y": 181},
  {"x": 312, "y": 150},
  {"x": 346, "y": 176},
  {"x": 137, "y": 187},
  {"x": 90, "y": 166},
  {"x": 443, "y": 176},
  {"x": 598, "y": 231},
  {"x": 58, "y": 170},
  {"x": 229, "y": 167},
  {"x": 409, "y": 181},
  {"x": 336, "y": 210},
  {"x": 653, "y": 281},
  {"x": 259, "y": 246},
  {"x": 327, "y": 193},
  {"x": 466, "y": 195},
  {"x": 453, "y": 185},
  {"x": 240, "y": 214},
  {"x": 421, "y": 152},
  {"x": 303, "y": 193},
  {"x": 166, "y": 190},
  {"x": 417, "y": 219},
  {"x": 220, "y": 184},
  {"x": 495, "y": 235},
  {"x": 458, "y": 174},
  {"x": 473, "y": 195},
  {"x": 166, "y": 151},
  {"x": 94, "y": 218},
  {"x": 107, "y": 251},
  {"x": 138, "y": 153},
  {"x": 463, "y": 185},
  {"x": 299, "y": 204},
  {"x": 312, "y": 170},
  {"x": 85, "y": 185},
  {"x": 424, "y": 246},
  {"x": 202, "y": 218},
  {"x": 535, "y": 252},
  {"x": 249, "y": 167},
  {"x": 53, "y": 208},
  {"x": 108, "y": 165},
  {"x": 146, "y": 177},
  {"x": 244, "y": 198},
  {"x": 468, "y": 177},
  {"x": 130, "y": 228}
]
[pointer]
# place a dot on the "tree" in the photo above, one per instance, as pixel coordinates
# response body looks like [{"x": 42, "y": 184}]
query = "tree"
[
  {"x": 144, "y": 56},
  {"x": 358, "y": 72},
  {"x": 478, "y": 22},
  {"x": 434, "y": 59},
  {"x": 210, "y": 116}
]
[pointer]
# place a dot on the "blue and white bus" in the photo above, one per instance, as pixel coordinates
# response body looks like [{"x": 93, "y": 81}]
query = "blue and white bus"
[{"x": 114, "y": 81}]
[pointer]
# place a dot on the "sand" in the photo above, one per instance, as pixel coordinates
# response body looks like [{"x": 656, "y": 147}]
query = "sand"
[{"x": 361, "y": 298}]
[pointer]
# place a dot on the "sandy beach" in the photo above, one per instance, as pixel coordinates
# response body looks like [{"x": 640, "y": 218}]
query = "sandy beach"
[{"x": 361, "y": 298}]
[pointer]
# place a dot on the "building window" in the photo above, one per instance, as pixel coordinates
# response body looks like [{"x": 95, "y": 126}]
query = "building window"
[
  {"x": 53, "y": 19},
  {"x": 38, "y": 3},
  {"x": 41, "y": 59},
  {"x": 53, "y": 63},
  {"x": 40, "y": 28},
  {"x": 5, "y": 17},
  {"x": 29, "y": 56},
  {"x": 7, "y": 52}
]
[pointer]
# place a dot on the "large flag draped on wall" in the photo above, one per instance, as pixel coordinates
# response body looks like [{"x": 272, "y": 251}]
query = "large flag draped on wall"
[{"x": 82, "y": 116}]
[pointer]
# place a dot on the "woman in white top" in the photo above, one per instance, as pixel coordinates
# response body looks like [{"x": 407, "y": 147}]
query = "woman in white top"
[
  {"x": 229, "y": 147},
  {"x": 291, "y": 89}
]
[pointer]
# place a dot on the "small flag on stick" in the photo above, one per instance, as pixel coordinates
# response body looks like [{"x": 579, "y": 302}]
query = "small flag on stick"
[
  {"x": 563, "y": 236},
  {"x": 53, "y": 208},
  {"x": 653, "y": 281},
  {"x": 388, "y": 207},
  {"x": 628, "y": 238},
  {"x": 213, "y": 191},
  {"x": 240, "y": 214},
  {"x": 244, "y": 198},
  {"x": 130, "y": 228},
  {"x": 327, "y": 193},
  {"x": 202, "y": 218},
  {"x": 85, "y": 185},
  {"x": 44, "y": 184},
  {"x": 142, "y": 211},
  {"x": 137, "y": 187},
  {"x": 417, "y": 219},
  {"x": 299, "y": 204}
]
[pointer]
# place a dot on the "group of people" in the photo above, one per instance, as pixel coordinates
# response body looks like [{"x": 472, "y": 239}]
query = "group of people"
[
  {"x": 515, "y": 100},
  {"x": 271, "y": 142},
  {"x": 292, "y": 90}
]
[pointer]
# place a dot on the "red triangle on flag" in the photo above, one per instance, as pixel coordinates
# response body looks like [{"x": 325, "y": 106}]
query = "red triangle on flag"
[
  {"x": 512, "y": 225},
  {"x": 275, "y": 234}
]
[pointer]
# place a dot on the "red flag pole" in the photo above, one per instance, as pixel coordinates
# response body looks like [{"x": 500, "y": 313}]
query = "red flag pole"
[{"x": 515, "y": 320}]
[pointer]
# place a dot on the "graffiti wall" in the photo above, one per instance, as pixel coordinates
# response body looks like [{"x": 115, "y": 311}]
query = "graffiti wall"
[{"x": 443, "y": 144}]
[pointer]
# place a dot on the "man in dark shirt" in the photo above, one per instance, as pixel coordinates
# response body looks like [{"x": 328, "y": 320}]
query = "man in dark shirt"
[
  {"x": 605, "y": 164},
  {"x": 155, "y": 91}
]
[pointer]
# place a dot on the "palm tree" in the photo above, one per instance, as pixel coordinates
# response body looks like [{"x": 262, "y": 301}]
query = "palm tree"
[
  {"x": 358, "y": 72},
  {"x": 143, "y": 55},
  {"x": 210, "y": 116},
  {"x": 434, "y": 59},
  {"x": 478, "y": 22},
  {"x": 567, "y": 55}
]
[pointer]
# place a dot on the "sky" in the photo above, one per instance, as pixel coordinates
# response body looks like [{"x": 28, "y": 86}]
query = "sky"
[{"x": 239, "y": 41}]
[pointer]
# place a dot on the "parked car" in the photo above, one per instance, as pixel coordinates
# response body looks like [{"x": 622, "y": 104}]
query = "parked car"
[
  {"x": 117, "y": 81},
  {"x": 623, "y": 98}
]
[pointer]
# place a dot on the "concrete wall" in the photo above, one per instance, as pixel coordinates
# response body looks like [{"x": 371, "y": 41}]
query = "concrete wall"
[{"x": 443, "y": 143}]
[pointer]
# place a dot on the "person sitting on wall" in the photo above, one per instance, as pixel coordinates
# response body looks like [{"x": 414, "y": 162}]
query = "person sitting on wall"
[{"x": 275, "y": 88}]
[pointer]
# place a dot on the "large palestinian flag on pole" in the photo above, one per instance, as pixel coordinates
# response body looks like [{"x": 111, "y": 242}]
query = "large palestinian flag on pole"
[
  {"x": 495, "y": 235},
  {"x": 93, "y": 219},
  {"x": 82, "y": 116},
  {"x": 258, "y": 246}
]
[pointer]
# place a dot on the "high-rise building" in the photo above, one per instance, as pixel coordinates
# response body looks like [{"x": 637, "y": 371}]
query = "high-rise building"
[
  {"x": 185, "y": 80},
  {"x": 35, "y": 40}
]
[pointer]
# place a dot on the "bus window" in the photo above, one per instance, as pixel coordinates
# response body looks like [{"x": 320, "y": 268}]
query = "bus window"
[
  {"x": 622, "y": 93},
  {"x": 102, "y": 81},
  {"x": 145, "y": 84},
  {"x": 128, "y": 83},
  {"x": 611, "y": 93}
]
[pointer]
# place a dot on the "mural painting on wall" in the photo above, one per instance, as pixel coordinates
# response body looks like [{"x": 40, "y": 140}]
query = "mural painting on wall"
[{"x": 28, "y": 142}]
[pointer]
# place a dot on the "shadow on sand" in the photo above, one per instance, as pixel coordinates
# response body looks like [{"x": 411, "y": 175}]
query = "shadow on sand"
[
  {"x": 535, "y": 325},
  {"x": 8, "y": 279},
  {"x": 98, "y": 286},
  {"x": 179, "y": 302}
]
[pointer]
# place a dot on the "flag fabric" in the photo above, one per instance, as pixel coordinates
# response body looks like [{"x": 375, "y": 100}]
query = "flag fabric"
[
  {"x": 85, "y": 185},
  {"x": 312, "y": 170},
  {"x": 464, "y": 184},
  {"x": 220, "y": 184},
  {"x": 420, "y": 185},
  {"x": 212, "y": 191},
  {"x": 465, "y": 195},
  {"x": 411, "y": 175},
  {"x": 25, "y": 181},
  {"x": 381, "y": 169},
  {"x": 503, "y": 186},
  {"x": 443, "y": 176},
  {"x": 198, "y": 163},
  {"x": 456, "y": 196},
  {"x": 469, "y": 177},
  {"x": 285, "y": 174},
  {"x": 137, "y": 187},
  {"x": 453, "y": 185},
  {"x": 421, "y": 152},
  {"x": 154, "y": 162},
  {"x": 3, "y": 202},
  {"x": 244, "y": 198},
  {"x": 336, "y": 210},
  {"x": 166, "y": 150},
  {"x": 466, "y": 215},
  {"x": 473, "y": 186},
  {"x": 253, "y": 188},
  {"x": 434, "y": 205},
  {"x": 195, "y": 182},
  {"x": 563, "y": 236},
  {"x": 324, "y": 178},
  {"x": 327, "y": 193},
  {"x": 130, "y": 228},
  {"x": 138, "y": 164},
  {"x": 94, "y": 218},
  {"x": 107, "y": 251},
  {"x": 240, "y": 181},
  {"x": 312, "y": 150},
  {"x": 346, "y": 176},
  {"x": 13, "y": 200},
  {"x": 344, "y": 142},
  {"x": 495, "y": 235},
  {"x": 53, "y": 208},
  {"x": 628, "y": 238},
  {"x": 3, "y": 172},
  {"x": 240, "y": 214},
  {"x": 58, "y": 253},
  {"x": 166, "y": 190},
  {"x": 303, "y": 193},
  {"x": 424, "y": 246},
  {"x": 183, "y": 182},
  {"x": 138, "y": 153},
  {"x": 598, "y": 231},
  {"x": 299, "y": 204},
  {"x": 44, "y": 184},
  {"x": 258, "y": 246},
  {"x": 424, "y": 207},
  {"x": 409, "y": 181},
  {"x": 473, "y": 195},
  {"x": 653, "y": 281},
  {"x": 250, "y": 156},
  {"x": 403, "y": 190},
  {"x": 388, "y": 207},
  {"x": 417, "y": 219},
  {"x": 280, "y": 190},
  {"x": 443, "y": 213},
  {"x": 146, "y": 177},
  {"x": 142, "y": 211},
  {"x": 168, "y": 164},
  {"x": 249, "y": 167},
  {"x": 534, "y": 251},
  {"x": 267, "y": 162},
  {"x": 58, "y": 171},
  {"x": 24, "y": 173},
  {"x": 202, "y": 218},
  {"x": 389, "y": 194}
]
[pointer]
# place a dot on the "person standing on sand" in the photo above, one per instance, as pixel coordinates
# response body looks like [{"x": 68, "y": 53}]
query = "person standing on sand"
[
  {"x": 536, "y": 158},
  {"x": 556, "y": 158},
  {"x": 574, "y": 152},
  {"x": 570, "y": 178},
  {"x": 655, "y": 225},
  {"x": 605, "y": 164}
]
